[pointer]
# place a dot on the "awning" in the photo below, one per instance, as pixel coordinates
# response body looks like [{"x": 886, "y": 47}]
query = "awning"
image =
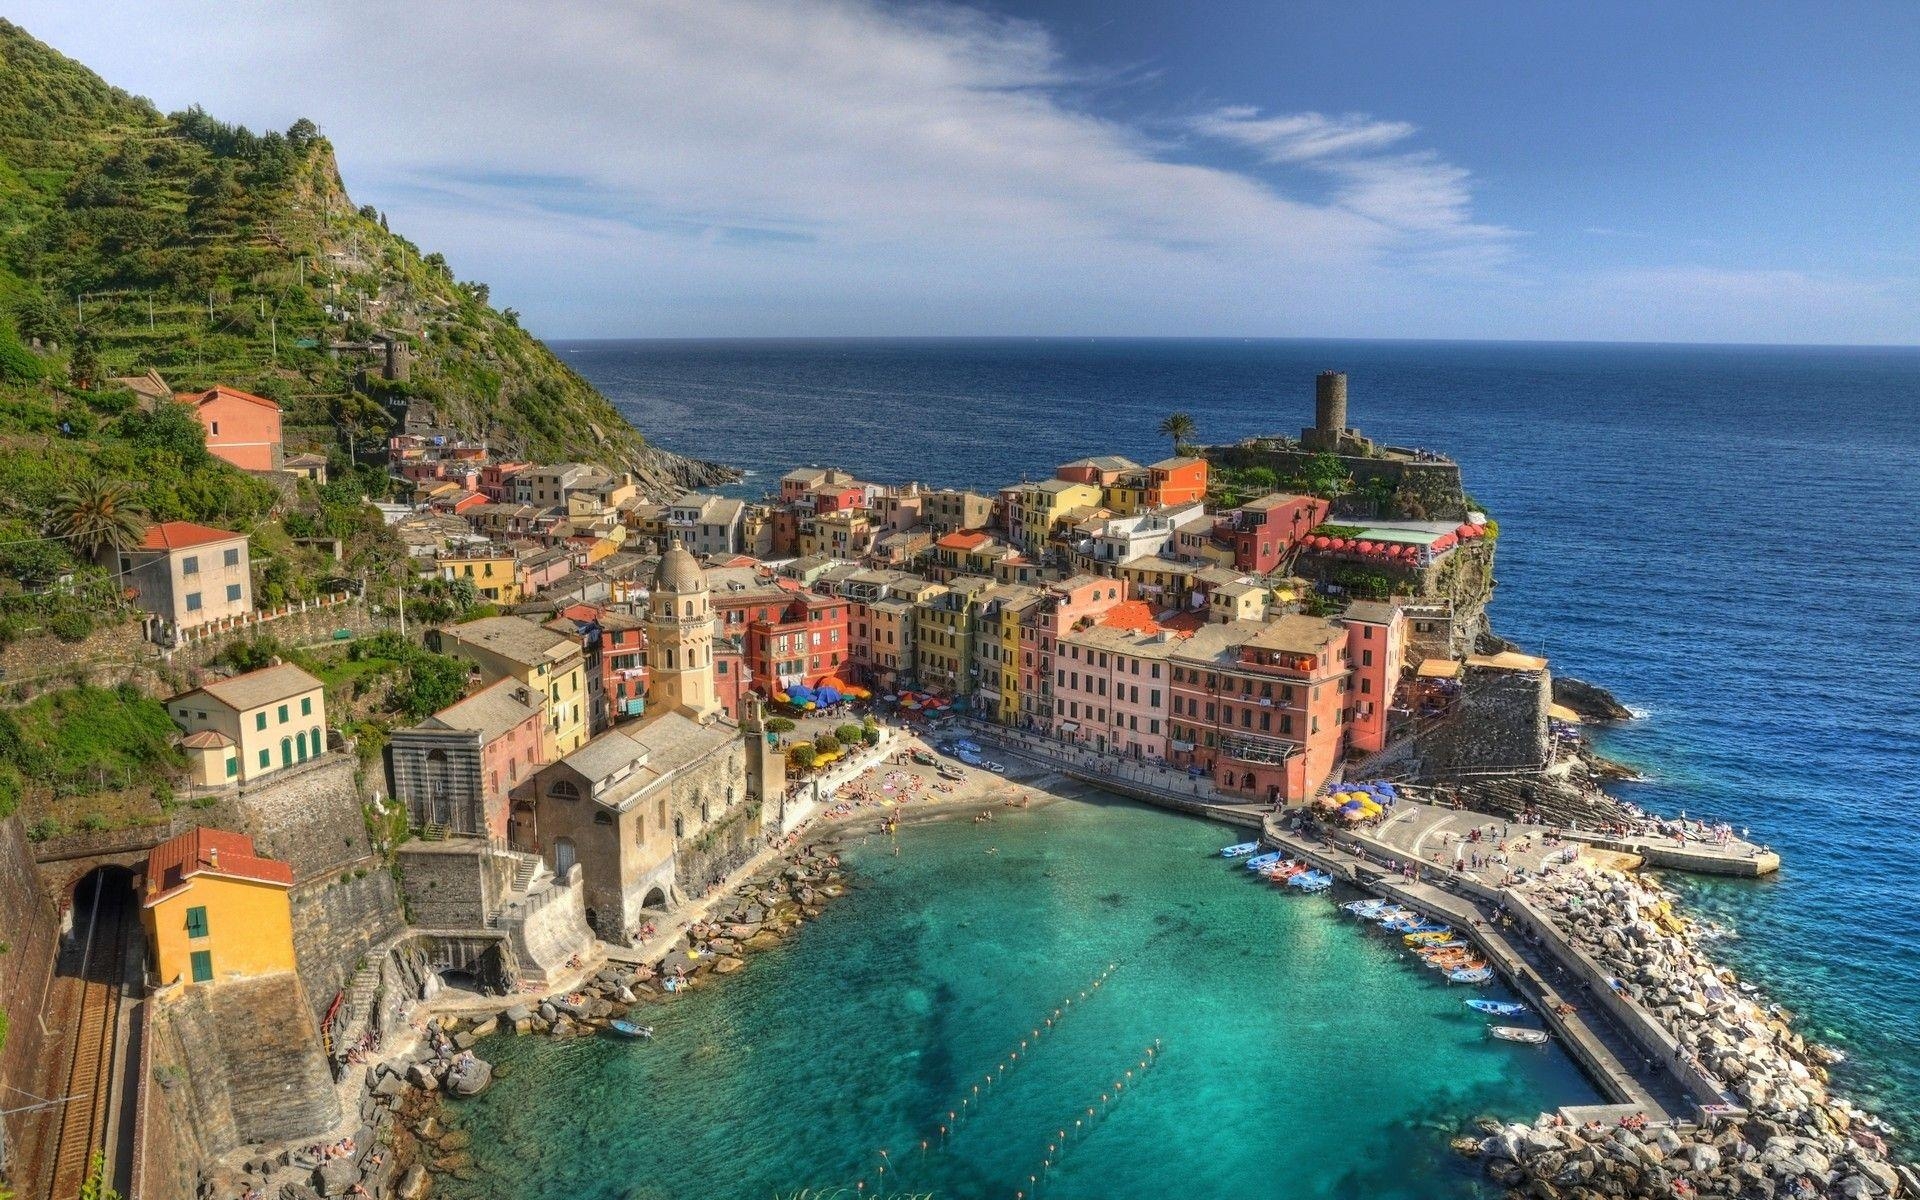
[
  {"x": 1069, "y": 726},
  {"x": 1561, "y": 712},
  {"x": 1438, "y": 668}
]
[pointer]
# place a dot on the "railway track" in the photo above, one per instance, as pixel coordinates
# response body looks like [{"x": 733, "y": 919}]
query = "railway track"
[{"x": 84, "y": 1120}]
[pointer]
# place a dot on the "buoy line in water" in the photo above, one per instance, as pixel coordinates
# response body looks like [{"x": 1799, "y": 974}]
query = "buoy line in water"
[
  {"x": 970, "y": 1102},
  {"x": 1085, "y": 1120}
]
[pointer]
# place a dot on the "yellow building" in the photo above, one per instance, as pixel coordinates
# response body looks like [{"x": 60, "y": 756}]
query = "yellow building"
[
  {"x": 490, "y": 570},
  {"x": 214, "y": 910},
  {"x": 1010, "y": 613},
  {"x": 944, "y": 629},
  {"x": 549, "y": 663},
  {"x": 251, "y": 725},
  {"x": 1128, "y": 493},
  {"x": 1042, "y": 505}
]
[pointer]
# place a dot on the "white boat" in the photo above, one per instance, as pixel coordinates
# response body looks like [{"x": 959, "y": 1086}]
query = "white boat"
[
  {"x": 1514, "y": 1033},
  {"x": 1366, "y": 908}
]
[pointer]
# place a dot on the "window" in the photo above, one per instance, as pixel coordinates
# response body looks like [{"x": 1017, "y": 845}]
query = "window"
[
  {"x": 306, "y": 706},
  {"x": 259, "y": 719},
  {"x": 202, "y": 966},
  {"x": 232, "y": 557},
  {"x": 190, "y": 565},
  {"x": 233, "y": 765},
  {"x": 197, "y": 921},
  {"x": 193, "y": 601},
  {"x": 564, "y": 789},
  {"x": 215, "y": 428},
  {"x": 266, "y": 758},
  {"x": 1366, "y": 658},
  {"x": 233, "y": 592}
]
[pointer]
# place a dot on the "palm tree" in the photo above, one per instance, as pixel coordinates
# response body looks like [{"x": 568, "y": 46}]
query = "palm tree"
[
  {"x": 98, "y": 515},
  {"x": 1179, "y": 426}
]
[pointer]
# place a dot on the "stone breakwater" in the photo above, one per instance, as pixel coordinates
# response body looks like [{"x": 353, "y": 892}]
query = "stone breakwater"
[
  {"x": 1784, "y": 1133},
  {"x": 415, "y": 1138}
]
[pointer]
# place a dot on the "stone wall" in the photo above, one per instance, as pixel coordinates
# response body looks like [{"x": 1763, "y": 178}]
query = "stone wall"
[
  {"x": 552, "y": 929},
  {"x": 314, "y": 625},
  {"x": 1499, "y": 724},
  {"x": 114, "y": 655},
  {"x": 453, "y": 885},
  {"x": 235, "y": 1064},
  {"x": 30, "y": 927},
  {"x": 701, "y": 863},
  {"x": 338, "y": 920},
  {"x": 307, "y": 815}
]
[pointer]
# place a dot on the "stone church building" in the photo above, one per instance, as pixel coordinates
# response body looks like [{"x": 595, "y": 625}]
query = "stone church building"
[{"x": 657, "y": 811}]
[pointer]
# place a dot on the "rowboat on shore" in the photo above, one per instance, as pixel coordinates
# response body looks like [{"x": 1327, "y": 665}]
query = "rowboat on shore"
[
  {"x": 1239, "y": 849},
  {"x": 1497, "y": 1008},
  {"x": 1472, "y": 975},
  {"x": 1386, "y": 917},
  {"x": 1264, "y": 860},
  {"x": 1514, "y": 1033},
  {"x": 1311, "y": 881},
  {"x": 1428, "y": 936},
  {"x": 1280, "y": 872},
  {"x": 1366, "y": 908}
]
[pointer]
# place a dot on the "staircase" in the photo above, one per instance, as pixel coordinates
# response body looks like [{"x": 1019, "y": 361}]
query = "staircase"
[
  {"x": 525, "y": 867},
  {"x": 434, "y": 831}
]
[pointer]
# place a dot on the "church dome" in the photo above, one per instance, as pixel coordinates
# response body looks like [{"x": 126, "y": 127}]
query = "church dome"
[{"x": 679, "y": 571}]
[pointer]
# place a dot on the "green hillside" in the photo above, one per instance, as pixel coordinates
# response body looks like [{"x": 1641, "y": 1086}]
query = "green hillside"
[{"x": 136, "y": 240}]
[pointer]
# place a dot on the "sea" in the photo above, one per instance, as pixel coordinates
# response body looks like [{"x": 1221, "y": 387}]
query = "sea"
[{"x": 1724, "y": 536}]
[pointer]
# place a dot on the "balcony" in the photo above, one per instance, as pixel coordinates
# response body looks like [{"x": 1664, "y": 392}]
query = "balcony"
[{"x": 1252, "y": 748}]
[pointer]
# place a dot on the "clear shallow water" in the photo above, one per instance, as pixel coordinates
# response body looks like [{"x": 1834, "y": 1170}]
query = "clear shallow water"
[
  {"x": 1726, "y": 536},
  {"x": 1294, "y": 1044}
]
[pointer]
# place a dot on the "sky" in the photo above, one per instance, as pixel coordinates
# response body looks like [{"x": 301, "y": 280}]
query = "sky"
[{"x": 1695, "y": 172}]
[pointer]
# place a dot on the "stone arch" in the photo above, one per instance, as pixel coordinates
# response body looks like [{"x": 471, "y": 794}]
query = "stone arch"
[{"x": 655, "y": 898}]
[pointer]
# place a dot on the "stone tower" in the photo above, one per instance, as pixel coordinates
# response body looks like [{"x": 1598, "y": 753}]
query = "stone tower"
[
  {"x": 766, "y": 766},
  {"x": 1329, "y": 431},
  {"x": 680, "y": 639}
]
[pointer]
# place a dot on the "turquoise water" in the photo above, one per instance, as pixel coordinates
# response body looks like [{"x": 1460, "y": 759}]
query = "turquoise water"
[{"x": 1296, "y": 1046}]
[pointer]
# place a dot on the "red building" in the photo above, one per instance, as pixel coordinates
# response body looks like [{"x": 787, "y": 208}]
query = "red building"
[
  {"x": 616, "y": 652},
  {"x": 496, "y": 480},
  {"x": 806, "y": 640},
  {"x": 1261, "y": 707},
  {"x": 1263, "y": 532}
]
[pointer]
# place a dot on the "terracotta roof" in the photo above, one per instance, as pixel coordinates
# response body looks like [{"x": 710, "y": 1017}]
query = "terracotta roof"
[
  {"x": 180, "y": 535},
  {"x": 222, "y": 391},
  {"x": 1133, "y": 615},
  {"x": 964, "y": 539},
  {"x": 206, "y": 739},
  {"x": 208, "y": 852}
]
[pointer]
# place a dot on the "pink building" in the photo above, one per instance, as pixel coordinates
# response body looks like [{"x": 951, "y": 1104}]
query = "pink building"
[
  {"x": 496, "y": 479},
  {"x": 1068, "y": 604},
  {"x": 242, "y": 428},
  {"x": 1112, "y": 683},
  {"x": 458, "y": 768},
  {"x": 1263, "y": 532},
  {"x": 1377, "y": 645}
]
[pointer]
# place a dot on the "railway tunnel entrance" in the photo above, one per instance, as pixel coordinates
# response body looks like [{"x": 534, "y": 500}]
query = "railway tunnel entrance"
[{"x": 98, "y": 980}]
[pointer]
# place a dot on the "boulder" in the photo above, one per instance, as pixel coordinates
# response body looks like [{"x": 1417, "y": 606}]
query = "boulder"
[
  {"x": 414, "y": 1185},
  {"x": 458, "y": 1139},
  {"x": 335, "y": 1176},
  {"x": 469, "y": 1076},
  {"x": 728, "y": 966}
]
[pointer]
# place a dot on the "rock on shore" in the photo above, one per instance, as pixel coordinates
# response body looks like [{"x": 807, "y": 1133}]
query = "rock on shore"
[{"x": 1796, "y": 1138}]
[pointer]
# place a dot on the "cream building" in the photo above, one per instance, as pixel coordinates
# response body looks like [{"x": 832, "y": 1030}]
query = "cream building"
[
  {"x": 550, "y": 663},
  {"x": 251, "y": 725}
]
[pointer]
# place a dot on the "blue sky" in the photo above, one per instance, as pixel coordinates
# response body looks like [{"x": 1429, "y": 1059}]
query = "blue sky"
[{"x": 1689, "y": 172}]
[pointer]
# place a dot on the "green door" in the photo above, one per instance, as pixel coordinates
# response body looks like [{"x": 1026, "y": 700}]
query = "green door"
[
  {"x": 203, "y": 966},
  {"x": 286, "y": 752}
]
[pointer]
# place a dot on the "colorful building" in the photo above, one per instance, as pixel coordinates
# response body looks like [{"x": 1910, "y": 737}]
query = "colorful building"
[
  {"x": 1112, "y": 684},
  {"x": 457, "y": 770},
  {"x": 491, "y": 569},
  {"x": 1177, "y": 481},
  {"x": 251, "y": 725},
  {"x": 548, "y": 663},
  {"x": 214, "y": 910},
  {"x": 1260, "y": 706},
  {"x": 1047, "y": 504},
  {"x": 242, "y": 428},
  {"x": 1264, "y": 532},
  {"x": 1377, "y": 646},
  {"x": 1064, "y": 606}
]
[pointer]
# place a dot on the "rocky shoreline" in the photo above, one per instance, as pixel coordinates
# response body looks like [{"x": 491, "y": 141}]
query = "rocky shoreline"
[
  {"x": 406, "y": 1138},
  {"x": 1790, "y": 1136}
]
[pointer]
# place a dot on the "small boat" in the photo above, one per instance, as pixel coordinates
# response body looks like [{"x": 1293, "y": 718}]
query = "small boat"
[
  {"x": 1366, "y": 908},
  {"x": 1450, "y": 946},
  {"x": 952, "y": 773},
  {"x": 1239, "y": 849},
  {"x": 1428, "y": 936},
  {"x": 1498, "y": 1008},
  {"x": 1280, "y": 872},
  {"x": 1311, "y": 881},
  {"x": 1473, "y": 975},
  {"x": 1386, "y": 917},
  {"x": 1513, "y": 1033},
  {"x": 628, "y": 1029},
  {"x": 1263, "y": 860}
]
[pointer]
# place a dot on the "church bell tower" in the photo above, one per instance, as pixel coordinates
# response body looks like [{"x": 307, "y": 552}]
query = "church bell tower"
[{"x": 680, "y": 639}]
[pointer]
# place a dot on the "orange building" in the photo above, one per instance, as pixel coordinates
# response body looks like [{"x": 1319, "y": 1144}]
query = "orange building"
[
  {"x": 1377, "y": 645},
  {"x": 1175, "y": 481},
  {"x": 242, "y": 428}
]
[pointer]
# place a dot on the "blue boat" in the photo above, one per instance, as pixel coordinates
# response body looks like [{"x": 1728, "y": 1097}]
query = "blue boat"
[
  {"x": 1263, "y": 860},
  {"x": 1498, "y": 1008},
  {"x": 1239, "y": 849},
  {"x": 628, "y": 1029},
  {"x": 1311, "y": 881},
  {"x": 1473, "y": 975},
  {"x": 1366, "y": 908}
]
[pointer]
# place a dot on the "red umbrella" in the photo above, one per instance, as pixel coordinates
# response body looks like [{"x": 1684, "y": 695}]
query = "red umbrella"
[{"x": 1367, "y": 547}]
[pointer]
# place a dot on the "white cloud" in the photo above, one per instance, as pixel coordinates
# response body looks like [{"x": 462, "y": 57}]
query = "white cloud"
[
  {"x": 1300, "y": 137},
  {"x": 627, "y": 167}
]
